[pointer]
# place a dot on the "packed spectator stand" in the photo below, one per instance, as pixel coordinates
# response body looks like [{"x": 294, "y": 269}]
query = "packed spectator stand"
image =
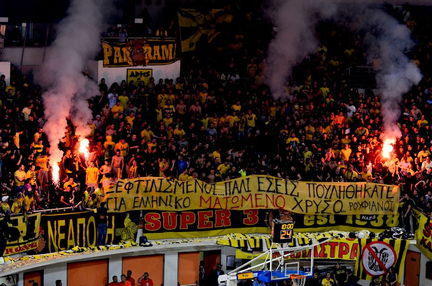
[{"x": 219, "y": 121}]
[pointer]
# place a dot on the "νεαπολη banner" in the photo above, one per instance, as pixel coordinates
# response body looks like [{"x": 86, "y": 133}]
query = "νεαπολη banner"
[
  {"x": 66, "y": 230},
  {"x": 253, "y": 192},
  {"x": 23, "y": 233},
  {"x": 145, "y": 52}
]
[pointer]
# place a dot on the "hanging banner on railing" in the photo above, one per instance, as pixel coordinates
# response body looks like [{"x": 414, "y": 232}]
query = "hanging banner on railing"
[
  {"x": 202, "y": 223},
  {"x": 63, "y": 231},
  {"x": 323, "y": 223},
  {"x": 423, "y": 234},
  {"x": 343, "y": 248},
  {"x": 141, "y": 52},
  {"x": 253, "y": 192},
  {"x": 23, "y": 233},
  {"x": 66, "y": 230},
  {"x": 378, "y": 256}
]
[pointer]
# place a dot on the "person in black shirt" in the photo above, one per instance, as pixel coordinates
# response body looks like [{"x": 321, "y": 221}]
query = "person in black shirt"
[
  {"x": 4, "y": 230},
  {"x": 313, "y": 281},
  {"x": 66, "y": 197},
  {"x": 376, "y": 281},
  {"x": 102, "y": 225},
  {"x": 215, "y": 274},
  {"x": 340, "y": 275},
  {"x": 405, "y": 215}
]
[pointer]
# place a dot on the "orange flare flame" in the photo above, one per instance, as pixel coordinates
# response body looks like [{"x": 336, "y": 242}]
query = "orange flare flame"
[
  {"x": 55, "y": 173},
  {"x": 84, "y": 148},
  {"x": 387, "y": 148}
]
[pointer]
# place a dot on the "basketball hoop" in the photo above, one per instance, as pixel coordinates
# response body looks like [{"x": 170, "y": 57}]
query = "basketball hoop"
[{"x": 298, "y": 280}]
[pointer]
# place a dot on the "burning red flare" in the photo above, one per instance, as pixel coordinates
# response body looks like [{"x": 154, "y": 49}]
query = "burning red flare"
[
  {"x": 55, "y": 173},
  {"x": 84, "y": 148},
  {"x": 387, "y": 148}
]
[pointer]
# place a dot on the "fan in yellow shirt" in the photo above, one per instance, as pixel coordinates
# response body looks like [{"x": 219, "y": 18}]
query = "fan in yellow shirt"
[
  {"x": 250, "y": 119},
  {"x": 109, "y": 143},
  {"x": 293, "y": 139},
  {"x": 184, "y": 176},
  {"x": 70, "y": 182},
  {"x": 423, "y": 154},
  {"x": 223, "y": 168},
  {"x": 117, "y": 109},
  {"x": 20, "y": 176},
  {"x": 328, "y": 280},
  {"x": 31, "y": 175},
  {"x": 422, "y": 122},
  {"x": 147, "y": 134},
  {"x": 236, "y": 107},
  {"x": 124, "y": 100},
  {"x": 163, "y": 167},
  {"x": 216, "y": 156},
  {"x": 29, "y": 202},
  {"x": 130, "y": 118},
  {"x": 123, "y": 147},
  {"x": 17, "y": 206},
  {"x": 310, "y": 131},
  {"x": 346, "y": 153},
  {"x": 179, "y": 131},
  {"x": 92, "y": 176}
]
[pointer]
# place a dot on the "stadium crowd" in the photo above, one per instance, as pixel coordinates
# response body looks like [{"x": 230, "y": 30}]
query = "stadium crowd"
[{"x": 219, "y": 121}]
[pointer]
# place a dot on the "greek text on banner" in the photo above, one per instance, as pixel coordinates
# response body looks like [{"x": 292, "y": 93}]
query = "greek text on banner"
[{"x": 253, "y": 192}]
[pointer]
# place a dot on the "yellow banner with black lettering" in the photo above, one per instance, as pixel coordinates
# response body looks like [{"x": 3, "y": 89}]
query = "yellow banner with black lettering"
[
  {"x": 137, "y": 76},
  {"x": 23, "y": 233},
  {"x": 253, "y": 192},
  {"x": 423, "y": 234},
  {"x": 139, "y": 52}
]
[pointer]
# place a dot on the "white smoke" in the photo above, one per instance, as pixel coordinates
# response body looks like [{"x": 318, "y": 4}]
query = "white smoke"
[
  {"x": 293, "y": 41},
  {"x": 77, "y": 41},
  {"x": 386, "y": 40},
  {"x": 294, "y": 22}
]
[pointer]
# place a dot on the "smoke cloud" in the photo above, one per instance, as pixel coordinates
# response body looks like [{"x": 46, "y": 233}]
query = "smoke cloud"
[
  {"x": 385, "y": 40},
  {"x": 388, "y": 41},
  {"x": 293, "y": 41},
  {"x": 67, "y": 88}
]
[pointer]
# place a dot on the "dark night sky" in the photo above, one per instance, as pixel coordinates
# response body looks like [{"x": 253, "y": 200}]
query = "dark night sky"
[{"x": 52, "y": 10}]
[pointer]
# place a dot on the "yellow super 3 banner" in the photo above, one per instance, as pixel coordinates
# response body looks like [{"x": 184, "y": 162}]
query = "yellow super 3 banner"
[{"x": 253, "y": 192}]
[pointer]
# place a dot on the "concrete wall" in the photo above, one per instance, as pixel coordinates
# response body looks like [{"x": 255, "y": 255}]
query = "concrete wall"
[
  {"x": 31, "y": 57},
  {"x": 423, "y": 259},
  {"x": 5, "y": 69},
  {"x": 55, "y": 272},
  {"x": 58, "y": 269}
]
